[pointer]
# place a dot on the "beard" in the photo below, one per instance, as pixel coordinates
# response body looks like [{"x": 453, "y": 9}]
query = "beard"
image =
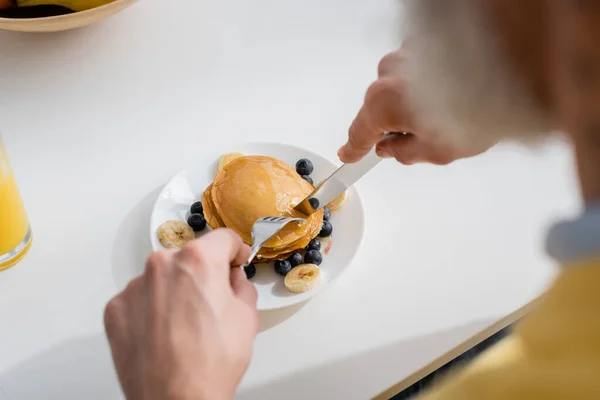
[{"x": 458, "y": 81}]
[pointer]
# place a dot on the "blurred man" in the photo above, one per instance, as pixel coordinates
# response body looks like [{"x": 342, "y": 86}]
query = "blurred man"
[{"x": 472, "y": 73}]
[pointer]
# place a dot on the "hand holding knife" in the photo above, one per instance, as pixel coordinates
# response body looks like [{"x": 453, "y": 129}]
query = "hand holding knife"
[{"x": 337, "y": 183}]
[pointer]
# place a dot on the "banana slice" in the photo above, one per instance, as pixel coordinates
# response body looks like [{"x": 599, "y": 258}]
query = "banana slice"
[
  {"x": 338, "y": 202},
  {"x": 302, "y": 278},
  {"x": 227, "y": 158},
  {"x": 174, "y": 234}
]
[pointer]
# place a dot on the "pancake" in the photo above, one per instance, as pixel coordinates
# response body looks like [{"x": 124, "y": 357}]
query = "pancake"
[
  {"x": 252, "y": 187},
  {"x": 291, "y": 248},
  {"x": 265, "y": 254},
  {"x": 210, "y": 213},
  {"x": 263, "y": 260},
  {"x": 271, "y": 254}
]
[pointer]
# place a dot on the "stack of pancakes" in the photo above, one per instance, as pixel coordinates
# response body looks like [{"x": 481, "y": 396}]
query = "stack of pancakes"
[{"x": 252, "y": 187}]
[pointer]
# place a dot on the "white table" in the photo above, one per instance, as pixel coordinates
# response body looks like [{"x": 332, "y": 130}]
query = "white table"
[{"x": 96, "y": 120}]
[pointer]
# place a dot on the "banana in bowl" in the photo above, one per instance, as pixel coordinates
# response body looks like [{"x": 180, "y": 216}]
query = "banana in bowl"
[{"x": 56, "y": 15}]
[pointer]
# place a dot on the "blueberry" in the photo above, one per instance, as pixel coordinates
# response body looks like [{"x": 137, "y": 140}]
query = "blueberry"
[
  {"x": 327, "y": 213},
  {"x": 308, "y": 179},
  {"x": 304, "y": 167},
  {"x": 283, "y": 267},
  {"x": 197, "y": 222},
  {"x": 197, "y": 208},
  {"x": 313, "y": 257},
  {"x": 250, "y": 271},
  {"x": 326, "y": 230},
  {"x": 314, "y": 203},
  {"x": 314, "y": 244},
  {"x": 295, "y": 259}
]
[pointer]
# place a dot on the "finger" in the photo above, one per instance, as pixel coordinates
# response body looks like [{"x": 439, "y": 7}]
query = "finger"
[
  {"x": 402, "y": 147},
  {"x": 242, "y": 287},
  {"x": 410, "y": 149},
  {"x": 122, "y": 312},
  {"x": 153, "y": 304},
  {"x": 390, "y": 64},
  {"x": 383, "y": 111},
  {"x": 158, "y": 266},
  {"x": 226, "y": 243},
  {"x": 363, "y": 133},
  {"x": 115, "y": 321},
  {"x": 214, "y": 252}
]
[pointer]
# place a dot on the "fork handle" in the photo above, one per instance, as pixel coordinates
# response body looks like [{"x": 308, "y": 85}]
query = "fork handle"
[{"x": 253, "y": 252}]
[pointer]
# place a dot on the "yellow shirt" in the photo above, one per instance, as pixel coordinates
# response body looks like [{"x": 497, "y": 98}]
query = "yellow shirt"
[{"x": 554, "y": 353}]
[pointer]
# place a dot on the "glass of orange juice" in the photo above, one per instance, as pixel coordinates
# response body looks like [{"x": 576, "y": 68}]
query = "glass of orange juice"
[{"x": 15, "y": 233}]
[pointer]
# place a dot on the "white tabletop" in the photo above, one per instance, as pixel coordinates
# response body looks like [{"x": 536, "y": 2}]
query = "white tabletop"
[{"x": 96, "y": 120}]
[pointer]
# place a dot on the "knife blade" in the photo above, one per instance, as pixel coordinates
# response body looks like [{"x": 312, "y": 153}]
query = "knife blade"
[{"x": 338, "y": 182}]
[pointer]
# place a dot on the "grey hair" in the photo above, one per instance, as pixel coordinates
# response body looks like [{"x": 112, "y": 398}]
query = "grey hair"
[{"x": 459, "y": 83}]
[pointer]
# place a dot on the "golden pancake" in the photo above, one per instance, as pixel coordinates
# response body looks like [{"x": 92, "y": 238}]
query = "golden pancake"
[
  {"x": 275, "y": 254},
  {"x": 264, "y": 260},
  {"x": 252, "y": 187},
  {"x": 210, "y": 213},
  {"x": 265, "y": 254},
  {"x": 300, "y": 244}
]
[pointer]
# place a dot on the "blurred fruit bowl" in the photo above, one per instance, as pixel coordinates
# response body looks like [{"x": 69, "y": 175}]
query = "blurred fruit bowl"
[{"x": 62, "y": 22}]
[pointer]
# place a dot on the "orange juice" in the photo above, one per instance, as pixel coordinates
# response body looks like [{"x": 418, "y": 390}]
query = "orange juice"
[{"x": 14, "y": 226}]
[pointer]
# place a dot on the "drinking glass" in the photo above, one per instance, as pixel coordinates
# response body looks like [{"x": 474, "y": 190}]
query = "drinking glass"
[{"x": 15, "y": 232}]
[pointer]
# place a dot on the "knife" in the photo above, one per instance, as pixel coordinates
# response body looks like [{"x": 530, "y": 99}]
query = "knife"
[{"x": 343, "y": 178}]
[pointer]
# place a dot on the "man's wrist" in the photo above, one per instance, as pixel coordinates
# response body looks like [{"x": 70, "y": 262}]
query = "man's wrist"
[{"x": 201, "y": 390}]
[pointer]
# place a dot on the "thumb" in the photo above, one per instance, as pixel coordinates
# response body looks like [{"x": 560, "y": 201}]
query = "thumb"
[
  {"x": 242, "y": 287},
  {"x": 411, "y": 149},
  {"x": 383, "y": 111}
]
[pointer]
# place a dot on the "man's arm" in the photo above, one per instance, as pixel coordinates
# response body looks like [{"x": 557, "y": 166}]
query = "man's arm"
[{"x": 471, "y": 74}]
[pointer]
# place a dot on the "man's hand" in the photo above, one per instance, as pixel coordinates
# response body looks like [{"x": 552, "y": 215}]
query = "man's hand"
[
  {"x": 385, "y": 109},
  {"x": 185, "y": 328}
]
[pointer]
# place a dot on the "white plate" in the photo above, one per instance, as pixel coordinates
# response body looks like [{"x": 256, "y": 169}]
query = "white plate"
[{"x": 348, "y": 223}]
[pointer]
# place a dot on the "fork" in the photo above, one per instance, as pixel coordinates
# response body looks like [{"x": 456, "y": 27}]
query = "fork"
[{"x": 264, "y": 229}]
